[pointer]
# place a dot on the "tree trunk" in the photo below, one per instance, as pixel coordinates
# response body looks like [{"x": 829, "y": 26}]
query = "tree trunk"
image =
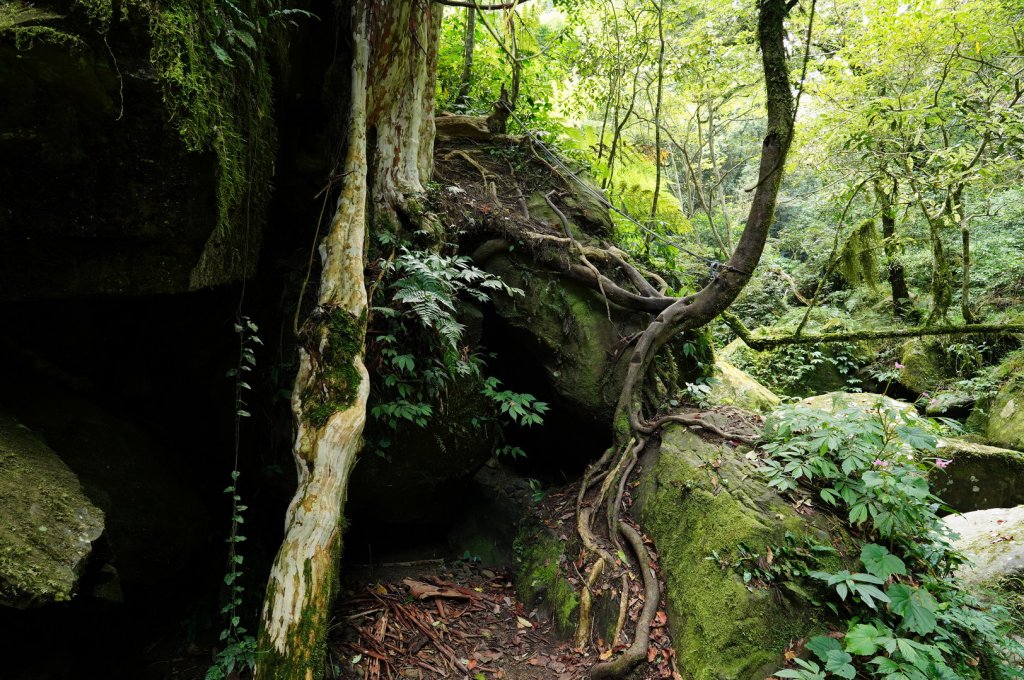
[
  {"x": 468, "y": 41},
  {"x": 965, "y": 240},
  {"x": 893, "y": 251},
  {"x": 657, "y": 109},
  {"x": 390, "y": 127}
]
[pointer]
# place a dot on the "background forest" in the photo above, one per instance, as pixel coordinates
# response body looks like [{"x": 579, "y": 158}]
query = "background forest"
[{"x": 901, "y": 203}]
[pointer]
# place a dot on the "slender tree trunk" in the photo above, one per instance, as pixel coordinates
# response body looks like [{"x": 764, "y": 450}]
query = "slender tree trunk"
[
  {"x": 468, "y": 42},
  {"x": 657, "y": 108},
  {"x": 329, "y": 407},
  {"x": 893, "y": 251},
  {"x": 965, "y": 240},
  {"x": 389, "y": 145},
  {"x": 719, "y": 190}
]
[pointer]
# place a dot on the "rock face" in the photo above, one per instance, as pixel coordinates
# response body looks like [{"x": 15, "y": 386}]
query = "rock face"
[
  {"x": 1006, "y": 414},
  {"x": 102, "y": 194},
  {"x": 733, "y": 387},
  {"x": 993, "y": 540},
  {"x": 48, "y": 525},
  {"x": 703, "y": 504},
  {"x": 566, "y": 328}
]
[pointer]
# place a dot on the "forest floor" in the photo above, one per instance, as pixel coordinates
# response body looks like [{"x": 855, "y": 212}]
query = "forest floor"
[{"x": 434, "y": 619}]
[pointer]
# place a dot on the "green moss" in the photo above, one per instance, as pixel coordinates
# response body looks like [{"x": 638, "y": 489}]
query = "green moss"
[
  {"x": 337, "y": 381},
  {"x": 47, "y": 525},
  {"x": 538, "y": 579},
  {"x": 698, "y": 500},
  {"x": 216, "y": 106}
]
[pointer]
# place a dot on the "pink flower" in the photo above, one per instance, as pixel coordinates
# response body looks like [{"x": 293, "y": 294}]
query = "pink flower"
[
  {"x": 900, "y": 366},
  {"x": 880, "y": 463},
  {"x": 942, "y": 463}
]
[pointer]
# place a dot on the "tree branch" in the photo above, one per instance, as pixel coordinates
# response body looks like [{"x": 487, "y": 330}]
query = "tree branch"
[{"x": 768, "y": 342}]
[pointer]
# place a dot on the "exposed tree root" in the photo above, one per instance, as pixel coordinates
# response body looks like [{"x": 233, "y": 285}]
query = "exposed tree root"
[{"x": 637, "y": 651}]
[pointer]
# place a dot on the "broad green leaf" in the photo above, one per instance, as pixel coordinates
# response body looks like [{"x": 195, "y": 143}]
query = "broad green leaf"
[{"x": 880, "y": 562}]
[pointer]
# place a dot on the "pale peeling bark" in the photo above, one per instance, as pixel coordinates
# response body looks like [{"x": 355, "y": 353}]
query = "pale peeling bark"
[
  {"x": 293, "y": 626},
  {"x": 390, "y": 150},
  {"x": 401, "y": 108}
]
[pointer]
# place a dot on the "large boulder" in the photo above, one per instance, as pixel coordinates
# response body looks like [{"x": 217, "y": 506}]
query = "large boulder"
[
  {"x": 733, "y": 387},
  {"x": 795, "y": 370},
  {"x": 47, "y": 524},
  {"x": 993, "y": 540},
  {"x": 924, "y": 365},
  {"x": 1006, "y": 413},
  {"x": 707, "y": 509},
  {"x": 122, "y": 136},
  {"x": 570, "y": 331},
  {"x": 154, "y": 518}
]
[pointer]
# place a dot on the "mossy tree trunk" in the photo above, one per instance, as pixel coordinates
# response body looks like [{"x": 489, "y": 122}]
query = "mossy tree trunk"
[
  {"x": 389, "y": 140},
  {"x": 893, "y": 250}
]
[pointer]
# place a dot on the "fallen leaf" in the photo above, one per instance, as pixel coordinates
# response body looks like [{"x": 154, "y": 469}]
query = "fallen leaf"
[
  {"x": 422, "y": 591},
  {"x": 523, "y": 623}
]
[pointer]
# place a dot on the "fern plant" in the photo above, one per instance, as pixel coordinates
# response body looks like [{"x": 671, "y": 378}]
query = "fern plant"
[{"x": 419, "y": 352}]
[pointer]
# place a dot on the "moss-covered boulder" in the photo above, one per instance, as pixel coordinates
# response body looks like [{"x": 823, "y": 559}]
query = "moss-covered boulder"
[
  {"x": 979, "y": 476},
  {"x": 833, "y": 401},
  {"x": 1006, "y": 414},
  {"x": 733, "y": 387},
  {"x": 155, "y": 519},
  {"x": 47, "y": 523},
  {"x": 570, "y": 331},
  {"x": 949, "y": 404},
  {"x": 122, "y": 127},
  {"x": 705, "y": 506},
  {"x": 539, "y": 555},
  {"x": 924, "y": 365},
  {"x": 797, "y": 370}
]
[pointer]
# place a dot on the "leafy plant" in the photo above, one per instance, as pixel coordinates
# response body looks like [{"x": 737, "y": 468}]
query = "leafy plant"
[
  {"x": 239, "y": 651},
  {"x": 419, "y": 349},
  {"x": 907, "y": 616}
]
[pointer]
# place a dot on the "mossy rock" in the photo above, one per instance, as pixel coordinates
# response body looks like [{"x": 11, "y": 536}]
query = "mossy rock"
[
  {"x": 539, "y": 578},
  {"x": 949, "y": 404},
  {"x": 924, "y": 365},
  {"x": 47, "y": 523},
  {"x": 865, "y": 400},
  {"x": 700, "y": 502},
  {"x": 1006, "y": 414},
  {"x": 733, "y": 387},
  {"x": 155, "y": 519},
  {"x": 818, "y": 372},
  {"x": 155, "y": 144},
  {"x": 571, "y": 333}
]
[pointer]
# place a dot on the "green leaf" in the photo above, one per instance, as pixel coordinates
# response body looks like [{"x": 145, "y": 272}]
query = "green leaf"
[
  {"x": 822, "y": 645},
  {"x": 880, "y": 562},
  {"x": 863, "y": 639},
  {"x": 838, "y": 662},
  {"x": 916, "y": 606}
]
